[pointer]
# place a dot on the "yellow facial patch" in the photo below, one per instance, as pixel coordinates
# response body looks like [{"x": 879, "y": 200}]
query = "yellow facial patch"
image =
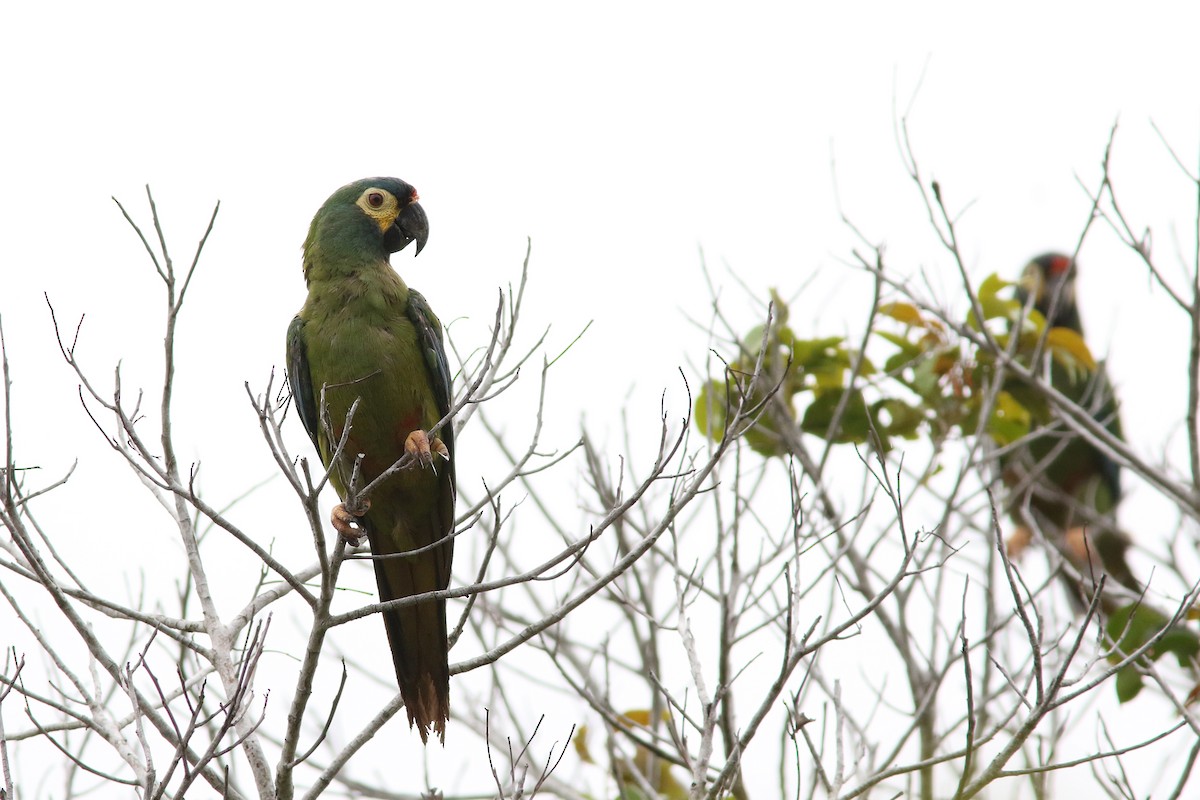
[
  {"x": 380, "y": 205},
  {"x": 1032, "y": 282}
]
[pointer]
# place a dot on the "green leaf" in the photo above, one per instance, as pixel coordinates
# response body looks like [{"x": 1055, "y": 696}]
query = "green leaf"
[
  {"x": 1129, "y": 683},
  {"x": 853, "y": 426},
  {"x": 898, "y": 362},
  {"x": 969, "y": 423},
  {"x": 1035, "y": 323},
  {"x": 926, "y": 378},
  {"x": 994, "y": 306},
  {"x": 711, "y": 412},
  {"x": 1131, "y": 627},
  {"x": 764, "y": 439},
  {"x": 1010, "y": 420},
  {"x": 1183, "y": 643},
  {"x": 1068, "y": 348},
  {"x": 901, "y": 342},
  {"x": 897, "y": 418},
  {"x": 712, "y": 416},
  {"x": 779, "y": 309},
  {"x": 814, "y": 354},
  {"x": 866, "y": 367}
]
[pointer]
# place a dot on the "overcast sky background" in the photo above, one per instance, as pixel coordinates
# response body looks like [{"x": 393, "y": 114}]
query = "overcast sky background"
[{"x": 624, "y": 138}]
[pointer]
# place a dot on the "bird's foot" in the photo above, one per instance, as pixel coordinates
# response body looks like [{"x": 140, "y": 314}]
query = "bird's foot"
[
  {"x": 345, "y": 521},
  {"x": 423, "y": 447},
  {"x": 1019, "y": 540},
  {"x": 1078, "y": 546}
]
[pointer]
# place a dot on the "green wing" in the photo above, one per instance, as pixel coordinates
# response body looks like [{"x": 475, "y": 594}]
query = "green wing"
[
  {"x": 300, "y": 379},
  {"x": 1101, "y": 397},
  {"x": 429, "y": 334}
]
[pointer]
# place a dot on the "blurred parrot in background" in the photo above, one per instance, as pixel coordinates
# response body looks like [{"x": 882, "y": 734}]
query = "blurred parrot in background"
[
  {"x": 1059, "y": 482},
  {"x": 364, "y": 335}
]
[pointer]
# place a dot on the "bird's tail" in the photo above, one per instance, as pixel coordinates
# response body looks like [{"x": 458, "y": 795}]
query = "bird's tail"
[{"x": 417, "y": 633}]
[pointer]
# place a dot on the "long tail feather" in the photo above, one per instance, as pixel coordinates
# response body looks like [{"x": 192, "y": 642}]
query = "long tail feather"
[{"x": 417, "y": 633}]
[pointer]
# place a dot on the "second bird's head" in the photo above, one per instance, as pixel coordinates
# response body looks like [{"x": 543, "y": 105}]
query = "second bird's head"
[
  {"x": 370, "y": 214},
  {"x": 1050, "y": 280}
]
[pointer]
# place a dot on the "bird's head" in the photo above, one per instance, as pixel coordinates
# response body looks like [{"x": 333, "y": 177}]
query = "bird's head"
[
  {"x": 1050, "y": 280},
  {"x": 373, "y": 215}
]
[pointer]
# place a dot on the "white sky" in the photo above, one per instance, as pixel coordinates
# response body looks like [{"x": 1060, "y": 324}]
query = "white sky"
[{"x": 622, "y": 138}]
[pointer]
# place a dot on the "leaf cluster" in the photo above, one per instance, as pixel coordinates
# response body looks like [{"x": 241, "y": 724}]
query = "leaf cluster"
[
  {"x": 925, "y": 376},
  {"x": 1135, "y": 626},
  {"x": 922, "y": 378}
]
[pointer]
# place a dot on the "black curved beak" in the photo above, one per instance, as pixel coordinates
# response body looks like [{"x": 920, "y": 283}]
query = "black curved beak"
[{"x": 411, "y": 226}]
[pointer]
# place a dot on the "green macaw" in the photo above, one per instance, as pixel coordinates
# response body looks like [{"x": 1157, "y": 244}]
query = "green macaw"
[
  {"x": 363, "y": 335},
  {"x": 1059, "y": 482}
]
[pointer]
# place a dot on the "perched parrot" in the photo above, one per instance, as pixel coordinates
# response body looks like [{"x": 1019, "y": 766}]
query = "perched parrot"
[
  {"x": 363, "y": 335},
  {"x": 1059, "y": 482}
]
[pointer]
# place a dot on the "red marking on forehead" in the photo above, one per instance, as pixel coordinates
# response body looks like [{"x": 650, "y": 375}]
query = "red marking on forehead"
[
  {"x": 414, "y": 197},
  {"x": 1059, "y": 265}
]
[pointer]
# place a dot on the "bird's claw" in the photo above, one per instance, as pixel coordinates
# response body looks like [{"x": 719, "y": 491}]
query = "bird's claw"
[
  {"x": 345, "y": 521},
  {"x": 423, "y": 447},
  {"x": 1018, "y": 541},
  {"x": 1077, "y": 545}
]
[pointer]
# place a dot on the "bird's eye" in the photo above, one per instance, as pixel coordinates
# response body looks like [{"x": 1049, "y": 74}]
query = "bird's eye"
[{"x": 375, "y": 199}]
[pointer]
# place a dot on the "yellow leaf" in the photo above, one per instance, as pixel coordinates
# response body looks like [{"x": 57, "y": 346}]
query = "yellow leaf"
[
  {"x": 1068, "y": 342},
  {"x": 992, "y": 285},
  {"x": 903, "y": 312},
  {"x": 1010, "y": 420},
  {"x": 581, "y": 747},
  {"x": 994, "y": 306}
]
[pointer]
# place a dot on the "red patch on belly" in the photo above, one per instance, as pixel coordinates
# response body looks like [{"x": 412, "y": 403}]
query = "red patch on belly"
[{"x": 406, "y": 425}]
